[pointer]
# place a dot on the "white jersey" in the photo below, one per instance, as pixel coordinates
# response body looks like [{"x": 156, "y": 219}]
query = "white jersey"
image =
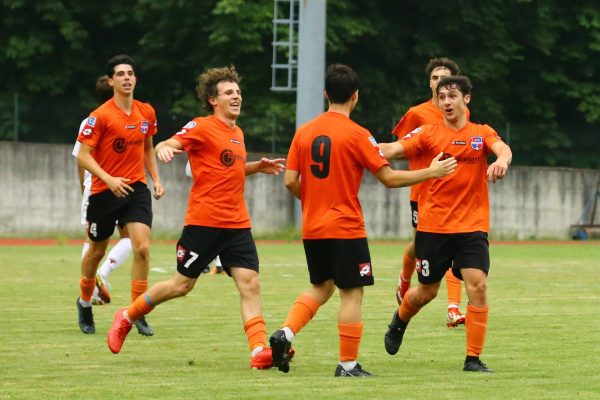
[
  {"x": 87, "y": 176},
  {"x": 87, "y": 179}
]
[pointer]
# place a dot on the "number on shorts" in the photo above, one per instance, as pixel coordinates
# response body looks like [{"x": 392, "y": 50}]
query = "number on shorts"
[
  {"x": 93, "y": 229},
  {"x": 423, "y": 267},
  {"x": 321, "y": 154},
  {"x": 193, "y": 257}
]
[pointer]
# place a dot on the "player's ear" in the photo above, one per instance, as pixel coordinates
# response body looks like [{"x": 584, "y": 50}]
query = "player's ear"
[{"x": 467, "y": 99}]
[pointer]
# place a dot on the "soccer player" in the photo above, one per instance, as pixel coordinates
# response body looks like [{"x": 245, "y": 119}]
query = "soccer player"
[
  {"x": 217, "y": 220},
  {"x": 120, "y": 251},
  {"x": 424, "y": 114},
  {"x": 116, "y": 145},
  {"x": 454, "y": 220},
  {"x": 326, "y": 161}
]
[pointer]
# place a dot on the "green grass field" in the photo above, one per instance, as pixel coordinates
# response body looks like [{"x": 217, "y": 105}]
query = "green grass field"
[{"x": 543, "y": 334}]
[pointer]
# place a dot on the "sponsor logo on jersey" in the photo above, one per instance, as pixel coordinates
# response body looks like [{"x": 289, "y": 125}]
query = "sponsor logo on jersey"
[
  {"x": 416, "y": 131},
  {"x": 459, "y": 142},
  {"x": 144, "y": 127},
  {"x": 130, "y": 126},
  {"x": 372, "y": 140},
  {"x": 86, "y": 132},
  {"x": 364, "y": 269},
  {"x": 180, "y": 253},
  {"x": 476, "y": 142},
  {"x": 190, "y": 125},
  {"x": 120, "y": 145},
  {"x": 445, "y": 156},
  {"x": 227, "y": 158},
  {"x": 182, "y": 132},
  {"x": 91, "y": 121},
  {"x": 234, "y": 141}
]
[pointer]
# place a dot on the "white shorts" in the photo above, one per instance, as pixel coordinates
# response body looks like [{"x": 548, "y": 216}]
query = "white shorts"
[{"x": 85, "y": 200}]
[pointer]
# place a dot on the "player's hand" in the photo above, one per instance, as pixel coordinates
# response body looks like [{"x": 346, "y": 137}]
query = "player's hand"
[
  {"x": 118, "y": 186},
  {"x": 271, "y": 166},
  {"x": 166, "y": 153},
  {"x": 159, "y": 190},
  {"x": 497, "y": 170},
  {"x": 442, "y": 165}
]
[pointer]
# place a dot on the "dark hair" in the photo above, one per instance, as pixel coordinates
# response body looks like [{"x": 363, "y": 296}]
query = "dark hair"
[
  {"x": 103, "y": 90},
  {"x": 442, "y": 62},
  {"x": 117, "y": 60},
  {"x": 206, "y": 83},
  {"x": 340, "y": 83},
  {"x": 461, "y": 82}
]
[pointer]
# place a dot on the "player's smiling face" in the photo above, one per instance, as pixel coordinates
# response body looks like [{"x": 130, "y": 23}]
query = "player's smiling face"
[
  {"x": 123, "y": 80},
  {"x": 452, "y": 102},
  {"x": 228, "y": 102}
]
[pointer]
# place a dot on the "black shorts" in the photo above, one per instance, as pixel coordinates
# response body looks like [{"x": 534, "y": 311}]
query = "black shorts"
[
  {"x": 199, "y": 245},
  {"x": 436, "y": 252},
  {"x": 346, "y": 261},
  {"x": 105, "y": 209},
  {"x": 414, "y": 213}
]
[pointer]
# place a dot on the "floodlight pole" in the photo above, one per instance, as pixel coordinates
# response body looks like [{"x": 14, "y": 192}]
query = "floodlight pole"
[{"x": 311, "y": 68}]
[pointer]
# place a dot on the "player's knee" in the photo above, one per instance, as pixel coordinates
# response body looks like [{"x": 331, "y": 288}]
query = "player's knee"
[{"x": 142, "y": 252}]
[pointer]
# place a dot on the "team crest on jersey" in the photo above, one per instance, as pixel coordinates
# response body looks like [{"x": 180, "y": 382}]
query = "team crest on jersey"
[
  {"x": 190, "y": 125},
  {"x": 372, "y": 140},
  {"x": 91, "y": 121},
  {"x": 180, "y": 253},
  {"x": 476, "y": 142},
  {"x": 144, "y": 127},
  {"x": 365, "y": 269}
]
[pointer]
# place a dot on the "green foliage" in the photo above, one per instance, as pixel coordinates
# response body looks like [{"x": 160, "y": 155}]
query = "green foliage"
[{"x": 534, "y": 64}]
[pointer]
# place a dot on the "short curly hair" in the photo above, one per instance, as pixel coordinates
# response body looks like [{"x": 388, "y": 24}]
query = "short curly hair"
[
  {"x": 206, "y": 83},
  {"x": 442, "y": 62}
]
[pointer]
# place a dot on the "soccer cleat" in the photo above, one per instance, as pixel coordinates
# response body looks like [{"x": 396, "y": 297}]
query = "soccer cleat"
[
  {"x": 118, "y": 331},
  {"x": 143, "y": 327},
  {"x": 356, "y": 372},
  {"x": 476, "y": 366},
  {"x": 262, "y": 360},
  {"x": 401, "y": 290},
  {"x": 102, "y": 286},
  {"x": 206, "y": 270},
  {"x": 282, "y": 351},
  {"x": 455, "y": 317},
  {"x": 393, "y": 337},
  {"x": 96, "y": 300},
  {"x": 86, "y": 318}
]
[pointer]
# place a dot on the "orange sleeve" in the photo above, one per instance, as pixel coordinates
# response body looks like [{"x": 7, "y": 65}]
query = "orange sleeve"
[
  {"x": 92, "y": 130},
  {"x": 406, "y": 124},
  {"x": 292, "y": 160}
]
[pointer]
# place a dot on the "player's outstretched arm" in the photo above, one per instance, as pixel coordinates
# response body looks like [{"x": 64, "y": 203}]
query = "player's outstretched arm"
[
  {"x": 392, "y": 150},
  {"x": 266, "y": 166},
  {"x": 166, "y": 150},
  {"x": 437, "y": 169},
  {"x": 498, "y": 169}
]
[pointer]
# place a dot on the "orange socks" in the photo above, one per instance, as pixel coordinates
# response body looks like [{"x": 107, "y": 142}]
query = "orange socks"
[
  {"x": 407, "y": 310},
  {"x": 454, "y": 288},
  {"x": 86, "y": 288},
  {"x": 256, "y": 331},
  {"x": 350, "y": 336},
  {"x": 476, "y": 327},
  {"x": 140, "y": 307},
  {"x": 137, "y": 288},
  {"x": 303, "y": 310},
  {"x": 408, "y": 267}
]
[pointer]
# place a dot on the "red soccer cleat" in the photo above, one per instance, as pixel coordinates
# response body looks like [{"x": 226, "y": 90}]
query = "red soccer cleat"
[
  {"x": 102, "y": 288},
  {"x": 263, "y": 359},
  {"x": 455, "y": 317},
  {"x": 118, "y": 331}
]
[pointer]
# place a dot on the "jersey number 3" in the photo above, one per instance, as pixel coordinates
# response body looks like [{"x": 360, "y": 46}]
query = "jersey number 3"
[{"x": 321, "y": 155}]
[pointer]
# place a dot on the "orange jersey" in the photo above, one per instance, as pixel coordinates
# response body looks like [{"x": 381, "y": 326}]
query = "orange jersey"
[
  {"x": 118, "y": 140},
  {"x": 330, "y": 153},
  {"x": 423, "y": 114},
  {"x": 459, "y": 202},
  {"x": 217, "y": 156}
]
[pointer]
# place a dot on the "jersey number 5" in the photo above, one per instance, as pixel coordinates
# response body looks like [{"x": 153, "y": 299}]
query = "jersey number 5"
[{"x": 321, "y": 154}]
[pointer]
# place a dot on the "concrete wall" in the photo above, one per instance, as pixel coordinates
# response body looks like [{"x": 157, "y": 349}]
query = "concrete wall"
[{"x": 40, "y": 197}]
